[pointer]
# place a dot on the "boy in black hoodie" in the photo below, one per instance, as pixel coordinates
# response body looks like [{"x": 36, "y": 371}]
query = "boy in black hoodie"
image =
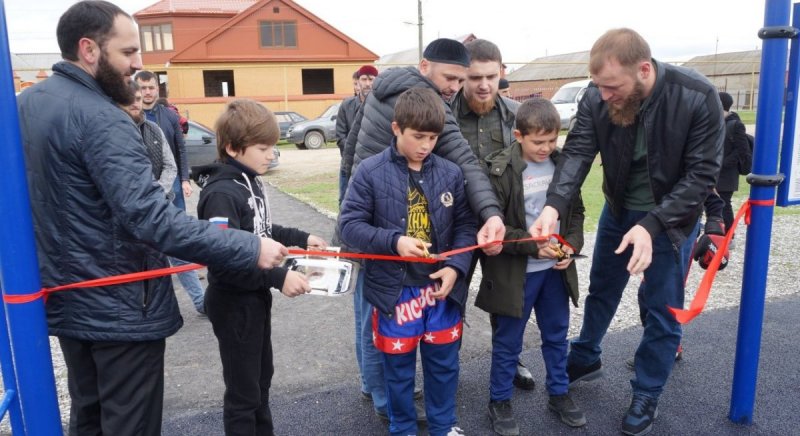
[{"x": 238, "y": 303}]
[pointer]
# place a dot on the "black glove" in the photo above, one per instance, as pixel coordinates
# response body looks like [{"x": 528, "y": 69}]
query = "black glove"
[
  {"x": 715, "y": 226},
  {"x": 706, "y": 248}
]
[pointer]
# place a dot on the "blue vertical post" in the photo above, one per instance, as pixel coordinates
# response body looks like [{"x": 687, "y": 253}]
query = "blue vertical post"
[
  {"x": 19, "y": 270},
  {"x": 763, "y": 181},
  {"x": 9, "y": 376}
]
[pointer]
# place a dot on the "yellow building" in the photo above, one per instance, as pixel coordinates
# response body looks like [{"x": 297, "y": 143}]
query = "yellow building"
[{"x": 206, "y": 52}]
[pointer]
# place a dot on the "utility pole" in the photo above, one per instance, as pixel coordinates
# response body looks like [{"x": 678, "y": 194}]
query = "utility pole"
[{"x": 419, "y": 27}]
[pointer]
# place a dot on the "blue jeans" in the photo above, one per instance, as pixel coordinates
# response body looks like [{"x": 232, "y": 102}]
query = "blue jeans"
[
  {"x": 191, "y": 283},
  {"x": 188, "y": 279},
  {"x": 686, "y": 253},
  {"x": 608, "y": 278},
  {"x": 342, "y": 185},
  {"x": 543, "y": 292},
  {"x": 370, "y": 360}
]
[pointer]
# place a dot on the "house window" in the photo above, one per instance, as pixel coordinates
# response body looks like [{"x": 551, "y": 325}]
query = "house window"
[
  {"x": 318, "y": 81},
  {"x": 279, "y": 34},
  {"x": 219, "y": 83},
  {"x": 157, "y": 37}
]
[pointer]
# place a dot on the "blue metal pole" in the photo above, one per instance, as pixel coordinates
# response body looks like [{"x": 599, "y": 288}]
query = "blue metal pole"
[
  {"x": 9, "y": 376},
  {"x": 19, "y": 269},
  {"x": 763, "y": 181}
]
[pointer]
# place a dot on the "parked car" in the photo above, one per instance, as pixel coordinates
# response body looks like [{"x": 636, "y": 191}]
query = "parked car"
[
  {"x": 566, "y": 101},
  {"x": 286, "y": 119},
  {"x": 315, "y": 133},
  {"x": 201, "y": 146}
]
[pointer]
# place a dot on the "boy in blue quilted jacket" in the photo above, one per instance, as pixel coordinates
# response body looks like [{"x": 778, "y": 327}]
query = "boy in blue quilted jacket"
[{"x": 407, "y": 202}]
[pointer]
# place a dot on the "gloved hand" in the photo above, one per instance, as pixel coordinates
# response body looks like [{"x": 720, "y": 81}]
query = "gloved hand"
[
  {"x": 715, "y": 226},
  {"x": 706, "y": 248}
]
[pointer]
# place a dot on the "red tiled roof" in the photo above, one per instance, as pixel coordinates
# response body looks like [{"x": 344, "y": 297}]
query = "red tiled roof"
[{"x": 197, "y": 6}]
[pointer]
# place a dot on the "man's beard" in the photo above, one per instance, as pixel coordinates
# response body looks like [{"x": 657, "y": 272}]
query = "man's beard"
[
  {"x": 113, "y": 83},
  {"x": 480, "y": 107},
  {"x": 625, "y": 115}
]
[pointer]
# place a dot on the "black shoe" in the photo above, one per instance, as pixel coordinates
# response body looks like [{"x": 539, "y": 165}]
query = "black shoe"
[
  {"x": 502, "y": 418},
  {"x": 422, "y": 418},
  {"x": 567, "y": 410},
  {"x": 383, "y": 416},
  {"x": 639, "y": 419},
  {"x": 366, "y": 396},
  {"x": 578, "y": 373},
  {"x": 523, "y": 378}
]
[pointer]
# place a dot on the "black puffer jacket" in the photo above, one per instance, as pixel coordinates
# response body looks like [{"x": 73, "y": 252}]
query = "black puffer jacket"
[
  {"x": 98, "y": 212},
  {"x": 684, "y": 131},
  {"x": 372, "y": 133}
]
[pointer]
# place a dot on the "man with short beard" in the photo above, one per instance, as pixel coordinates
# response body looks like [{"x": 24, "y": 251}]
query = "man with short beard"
[
  {"x": 98, "y": 212},
  {"x": 486, "y": 120},
  {"x": 169, "y": 122},
  {"x": 485, "y": 117},
  {"x": 659, "y": 131}
]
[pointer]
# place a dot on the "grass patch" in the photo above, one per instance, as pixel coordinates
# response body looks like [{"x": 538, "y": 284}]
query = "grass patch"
[
  {"x": 321, "y": 190},
  {"x": 748, "y": 117}
]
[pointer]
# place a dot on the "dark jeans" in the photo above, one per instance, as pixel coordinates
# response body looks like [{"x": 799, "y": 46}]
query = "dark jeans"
[
  {"x": 116, "y": 388},
  {"x": 607, "y": 280},
  {"x": 241, "y": 323},
  {"x": 727, "y": 210}
]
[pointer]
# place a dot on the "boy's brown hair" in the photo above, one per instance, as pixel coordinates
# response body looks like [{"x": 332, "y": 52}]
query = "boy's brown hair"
[
  {"x": 537, "y": 115},
  {"x": 244, "y": 123},
  {"x": 420, "y": 109}
]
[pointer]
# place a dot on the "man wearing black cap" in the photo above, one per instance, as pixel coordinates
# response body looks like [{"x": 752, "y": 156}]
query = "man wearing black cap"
[
  {"x": 444, "y": 69},
  {"x": 503, "y": 88}
]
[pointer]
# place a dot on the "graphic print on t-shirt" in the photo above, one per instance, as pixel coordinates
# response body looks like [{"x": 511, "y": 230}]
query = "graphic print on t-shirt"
[{"x": 419, "y": 225}]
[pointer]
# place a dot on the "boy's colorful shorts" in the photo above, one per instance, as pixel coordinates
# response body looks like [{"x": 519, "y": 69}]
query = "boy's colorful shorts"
[{"x": 417, "y": 317}]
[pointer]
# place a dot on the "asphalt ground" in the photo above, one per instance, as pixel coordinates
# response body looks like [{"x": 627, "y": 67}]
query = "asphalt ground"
[{"x": 315, "y": 388}]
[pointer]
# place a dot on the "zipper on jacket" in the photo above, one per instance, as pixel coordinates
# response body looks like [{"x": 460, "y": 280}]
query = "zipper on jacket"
[
  {"x": 146, "y": 295},
  {"x": 675, "y": 248}
]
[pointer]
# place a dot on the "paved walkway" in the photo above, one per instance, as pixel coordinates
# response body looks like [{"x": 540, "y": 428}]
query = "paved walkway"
[{"x": 315, "y": 387}]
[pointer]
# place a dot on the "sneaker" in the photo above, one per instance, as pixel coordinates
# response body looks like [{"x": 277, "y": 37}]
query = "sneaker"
[
  {"x": 455, "y": 431},
  {"x": 631, "y": 362},
  {"x": 523, "y": 378},
  {"x": 567, "y": 410},
  {"x": 502, "y": 417},
  {"x": 366, "y": 396},
  {"x": 639, "y": 419},
  {"x": 578, "y": 373}
]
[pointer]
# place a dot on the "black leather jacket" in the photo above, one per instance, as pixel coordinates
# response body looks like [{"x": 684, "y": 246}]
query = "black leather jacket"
[{"x": 684, "y": 130}]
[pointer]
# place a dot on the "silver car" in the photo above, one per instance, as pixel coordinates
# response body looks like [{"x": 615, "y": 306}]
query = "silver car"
[{"x": 315, "y": 133}]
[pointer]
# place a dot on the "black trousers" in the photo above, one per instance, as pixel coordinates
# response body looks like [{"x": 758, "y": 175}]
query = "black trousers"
[
  {"x": 241, "y": 323},
  {"x": 727, "y": 210},
  {"x": 117, "y": 388}
]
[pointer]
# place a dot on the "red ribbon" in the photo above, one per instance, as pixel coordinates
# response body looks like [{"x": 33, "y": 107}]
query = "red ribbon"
[
  {"x": 146, "y": 275},
  {"x": 684, "y": 316}
]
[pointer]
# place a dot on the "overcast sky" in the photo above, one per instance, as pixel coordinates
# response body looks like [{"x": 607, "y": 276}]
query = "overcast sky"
[{"x": 524, "y": 30}]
